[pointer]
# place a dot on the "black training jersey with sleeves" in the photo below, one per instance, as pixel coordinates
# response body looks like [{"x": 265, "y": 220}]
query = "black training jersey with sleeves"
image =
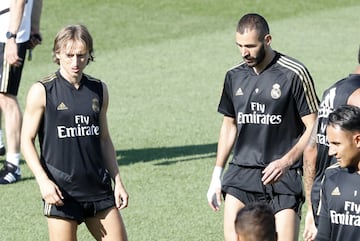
[
  {"x": 267, "y": 109},
  {"x": 69, "y": 136},
  {"x": 335, "y": 96},
  {"x": 340, "y": 205}
]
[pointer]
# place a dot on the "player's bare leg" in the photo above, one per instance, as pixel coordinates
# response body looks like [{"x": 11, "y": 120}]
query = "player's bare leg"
[
  {"x": 232, "y": 206},
  {"x": 287, "y": 225},
  {"x": 62, "y": 229},
  {"x": 12, "y": 115},
  {"x": 107, "y": 225}
]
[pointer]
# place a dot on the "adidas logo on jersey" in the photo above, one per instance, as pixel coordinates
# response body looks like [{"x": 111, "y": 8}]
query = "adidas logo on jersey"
[
  {"x": 62, "y": 106},
  {"x": 239, "y": 92},
  {"x": 336, "y": 192}
]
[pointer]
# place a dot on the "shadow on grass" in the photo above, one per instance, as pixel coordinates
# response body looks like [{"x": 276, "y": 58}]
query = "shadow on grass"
[{"x": 170, "y": 155}]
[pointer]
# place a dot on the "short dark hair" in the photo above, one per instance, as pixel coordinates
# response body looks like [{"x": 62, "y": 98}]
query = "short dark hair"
[
  {"x": 75, "y": 32},
  {"x": 359, "y": 56},
  {"x": 253, "y": 21},
  {"x": 347, "y": 117},
  {"x": 256, "y": 221}
]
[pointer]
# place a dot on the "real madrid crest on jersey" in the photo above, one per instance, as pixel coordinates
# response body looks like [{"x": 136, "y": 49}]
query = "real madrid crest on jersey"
[
  {"x": 95, "y": 105},
  {"x": 275, "y": 91}
]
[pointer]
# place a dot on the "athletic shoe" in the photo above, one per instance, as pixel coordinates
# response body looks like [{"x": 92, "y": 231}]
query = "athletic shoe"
[
  {"x": 2, "y": 150},
  {"x": 9, "y": 173}
]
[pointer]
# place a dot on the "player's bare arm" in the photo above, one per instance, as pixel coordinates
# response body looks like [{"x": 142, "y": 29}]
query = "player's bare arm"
[
  {"x": 121, "y": 196},
  {"x": 226, "y": 140},
  {"x": 16, "y": 14},
  {"x": 35, "y": 105},
  {"x": 309, "y": 168},
  {"x": 225, "y": 144},
  {"x": 310, "y": 153}
]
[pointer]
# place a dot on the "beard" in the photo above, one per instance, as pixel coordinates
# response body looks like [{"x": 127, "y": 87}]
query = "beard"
[{"x": 254, "y": 61}]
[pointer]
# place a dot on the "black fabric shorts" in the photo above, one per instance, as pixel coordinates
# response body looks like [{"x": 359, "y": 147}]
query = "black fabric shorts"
[
  {"x": 78, "y": 211},
  {"x": 245, "y": 184},
  {"x": 10, "y": 76},
  {"x": 277, "y": 202}
]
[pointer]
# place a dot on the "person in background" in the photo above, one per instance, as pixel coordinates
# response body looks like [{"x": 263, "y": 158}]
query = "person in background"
[
  {"x": 256, "y": 222},
  {"x": 77, "y": 165},
  {"x": 269, "y": 105},
  {"x": 19, "y": 31},
  {"x": 344, "y": 91},
  {"x": 339, "y": 206}
]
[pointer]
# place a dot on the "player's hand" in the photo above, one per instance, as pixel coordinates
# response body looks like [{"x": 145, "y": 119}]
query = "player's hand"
[
  {"x": 121, "y": 196},
  {"x": 51, "y": 193},
  {"x": 11, "y": 51},
  {"x": 35, "y": 39},
  {"x": 214, "y": 192},
  {"x": 310, "y": 229},
  {"x": 274, "y": 171}
]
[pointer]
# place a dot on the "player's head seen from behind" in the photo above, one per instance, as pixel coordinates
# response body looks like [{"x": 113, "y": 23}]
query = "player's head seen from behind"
[{"x": 256, "y": 222}]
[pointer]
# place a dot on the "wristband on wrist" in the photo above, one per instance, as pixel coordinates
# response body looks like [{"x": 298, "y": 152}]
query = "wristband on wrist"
[{"x": 217, "y": 171}]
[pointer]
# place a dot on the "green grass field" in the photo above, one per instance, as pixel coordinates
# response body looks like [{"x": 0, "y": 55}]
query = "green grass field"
[{"x": 164, "y": 62}]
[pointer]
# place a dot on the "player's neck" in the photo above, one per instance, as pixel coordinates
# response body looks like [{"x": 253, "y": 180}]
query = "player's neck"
[
  {"x": 74, "y": 79},
  {"x": 269, "y": 56}
]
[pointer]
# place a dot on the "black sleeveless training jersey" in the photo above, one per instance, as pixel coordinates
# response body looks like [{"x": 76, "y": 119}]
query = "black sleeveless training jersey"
[
  {"x": 267, "y": 108},
  {"x": 69, "y": 136},
  {"x": 340, "y": 205},
  {"x": 335, "y": 96}
]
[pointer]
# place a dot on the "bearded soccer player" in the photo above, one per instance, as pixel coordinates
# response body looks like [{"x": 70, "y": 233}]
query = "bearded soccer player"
[{"x": 269, "y": 106}]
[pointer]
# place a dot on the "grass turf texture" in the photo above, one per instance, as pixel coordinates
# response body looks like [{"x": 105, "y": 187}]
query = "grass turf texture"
[{"x": 164, "y": 63}]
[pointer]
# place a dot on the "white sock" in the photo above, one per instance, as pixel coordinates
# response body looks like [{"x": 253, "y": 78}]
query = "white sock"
[{"x": 13, "y": 158}]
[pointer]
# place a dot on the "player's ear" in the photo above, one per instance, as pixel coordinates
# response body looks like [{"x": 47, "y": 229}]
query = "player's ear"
[
  {"x": 267, "y": 39},
  {"x": 357, "y": 139}
]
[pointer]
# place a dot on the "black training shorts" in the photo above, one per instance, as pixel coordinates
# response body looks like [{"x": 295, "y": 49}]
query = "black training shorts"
[
  {"x": 78, "y": 211},
  {"x": 245, "y": 184},
  {"x": 10, "y": 76}
]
